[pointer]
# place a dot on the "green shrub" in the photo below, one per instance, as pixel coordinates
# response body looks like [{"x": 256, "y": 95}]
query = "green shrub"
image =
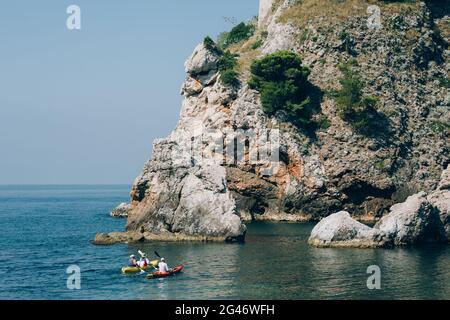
[
  {"x": 283, "y": 84},
  {"x": 227, "y": 60},
  {"x": 323, "y": 122},
  {"x": 347, "y": 42},
  {"x": 230, "y": 78},
  {"x": 358, "y": 110},
  {"x": 444, "y": 82},
  {"x": 241, "y": 32},
  {"x": 439, "y": 126},
  {"x": 349, "y": 96},
  {"x": 211, "y": 45},
  {"x": 257, "y": 44},
  {"x": 227, "y": 63}
]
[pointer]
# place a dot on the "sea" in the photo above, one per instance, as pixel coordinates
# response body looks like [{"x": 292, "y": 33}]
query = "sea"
[{"x": 46, "y": 252}]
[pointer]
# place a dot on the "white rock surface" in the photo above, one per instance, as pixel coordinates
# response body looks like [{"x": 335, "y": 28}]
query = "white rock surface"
[
  {"x": 201, "y": 61},
  {"x": 413, "y": 221},
  {"x": 341, "y": 230}
]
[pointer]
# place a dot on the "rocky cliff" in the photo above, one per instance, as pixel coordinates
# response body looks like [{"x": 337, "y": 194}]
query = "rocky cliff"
[{"x": 194, "y": 188}]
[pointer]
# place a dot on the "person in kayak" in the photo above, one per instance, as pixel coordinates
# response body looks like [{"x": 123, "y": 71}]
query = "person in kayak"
[
  {"x": 163, "y": 267},
  {"x": 143, "y": 262},
  {"x": 132, "y": 261}
]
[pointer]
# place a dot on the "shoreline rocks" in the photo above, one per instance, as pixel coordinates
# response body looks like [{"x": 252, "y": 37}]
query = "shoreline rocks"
[
  {"x": 420, "y": 219},
  {"x": 414, "y": 221},
  {"x": 106, "y": 239}
]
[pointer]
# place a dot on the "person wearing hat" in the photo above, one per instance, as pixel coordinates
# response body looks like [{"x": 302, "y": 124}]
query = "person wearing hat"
[
  {"x": 132, "y": 261},
  {"x": 143, "y": 262},
  {"x": 163, "y": 267}
]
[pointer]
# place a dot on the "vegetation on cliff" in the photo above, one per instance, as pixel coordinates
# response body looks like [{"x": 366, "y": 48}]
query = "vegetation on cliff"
[
  {"x": 239, "y": 33},
  {"x": 227, "y": 63},
  {"x": 283, "y": 84},
  {"x": 354, "y": 107}
]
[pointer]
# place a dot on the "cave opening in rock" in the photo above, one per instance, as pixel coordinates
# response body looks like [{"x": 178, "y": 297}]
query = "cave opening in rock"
[{"x": 358, "y": 192}]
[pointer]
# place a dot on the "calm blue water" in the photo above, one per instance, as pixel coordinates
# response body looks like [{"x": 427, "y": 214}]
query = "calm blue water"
[{"x": 45, "y": 229}]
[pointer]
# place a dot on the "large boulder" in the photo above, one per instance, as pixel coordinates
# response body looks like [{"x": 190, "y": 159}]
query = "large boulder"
[
  {"x": 206, "y": 207},
  {"x": 201, "y": 61},
  {"x": 184, "y": 203},
  {"x": 412, "y": 222},
  {"x": 341, "y": 230},
  {"x": 440, "y": 199}
]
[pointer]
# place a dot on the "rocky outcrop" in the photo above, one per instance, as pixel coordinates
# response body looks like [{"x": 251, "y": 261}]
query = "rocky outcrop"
[
  {"x": 440, "y": 199},
  {"x": 181, "y": 196},
  {"x": 122, "y": 210},
  {"x": 341, "y": 230},
  {"x": 193, "y": 188},
  {"x": 420, "y": 219},
  {"x": 415, "y": 221}
]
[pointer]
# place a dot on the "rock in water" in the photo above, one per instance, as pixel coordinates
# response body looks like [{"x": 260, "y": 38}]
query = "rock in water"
[
  {"x": 341, "y": 230},
  {"x": 440, "y": 199},
  {"x": 415, "y": 221},
  {"x": 122, "y": 210},
  {"x": 195, "y": 203},
  {"x": 412, "y": 222}
]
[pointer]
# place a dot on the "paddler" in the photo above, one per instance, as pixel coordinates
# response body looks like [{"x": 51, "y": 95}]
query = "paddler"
[
  {"x": 143, "y": 262},
  {"x": 132, "y": 262},
  {"x": 163, "y": 267}
]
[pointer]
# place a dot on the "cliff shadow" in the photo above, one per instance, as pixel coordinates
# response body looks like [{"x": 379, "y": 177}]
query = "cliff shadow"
[
  {"x": 312, "y": 126},
  {"x": 438, "y": 9}
]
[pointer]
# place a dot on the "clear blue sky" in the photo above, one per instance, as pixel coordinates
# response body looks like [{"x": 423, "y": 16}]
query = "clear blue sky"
[{"x": 84, "y": 106}]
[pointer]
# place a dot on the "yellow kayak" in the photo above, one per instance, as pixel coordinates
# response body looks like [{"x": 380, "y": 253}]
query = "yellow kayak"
[{"x": 152, "y": 264}]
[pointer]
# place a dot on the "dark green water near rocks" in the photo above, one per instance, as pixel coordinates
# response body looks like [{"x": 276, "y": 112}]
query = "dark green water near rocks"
[{"x": 50, "y": 228}]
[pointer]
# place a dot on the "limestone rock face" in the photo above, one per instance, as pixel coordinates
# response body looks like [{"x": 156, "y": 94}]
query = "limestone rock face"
[
  {"x": 341, "y": 230},
  {"x": 414, "y": 221},
  {"x": 179, "y": 196},
  {"x": 279, "y": 36},
  {"x": 201, "y": 61},
  {"x": 265, "y": 6},
  {"x": 186, "y": 192}
]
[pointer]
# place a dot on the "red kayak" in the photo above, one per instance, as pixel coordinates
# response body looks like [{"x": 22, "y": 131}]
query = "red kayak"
[{"x": 159, "y": 274}]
